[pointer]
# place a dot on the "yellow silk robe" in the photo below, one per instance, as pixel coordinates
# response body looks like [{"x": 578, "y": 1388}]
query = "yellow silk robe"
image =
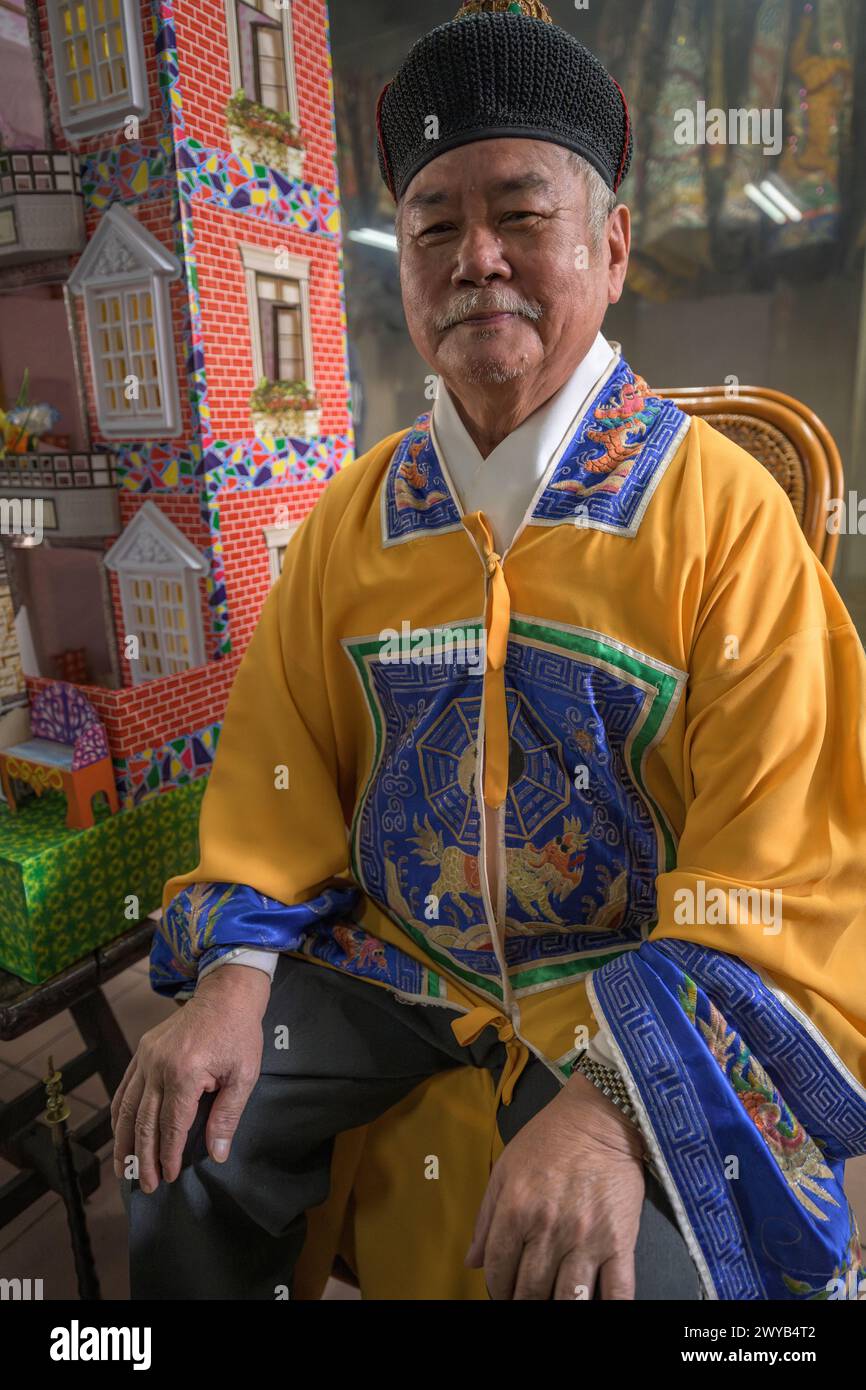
[{"x": 660, "y": 624}]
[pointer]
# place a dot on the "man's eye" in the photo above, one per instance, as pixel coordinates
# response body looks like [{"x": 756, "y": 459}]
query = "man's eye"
[
  {"x": 440, "y": 227},
  {"x": 520, "y": 214}
]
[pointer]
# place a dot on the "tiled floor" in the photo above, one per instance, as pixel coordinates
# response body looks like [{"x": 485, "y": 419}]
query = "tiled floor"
[{"x": 36, "y": 1245}]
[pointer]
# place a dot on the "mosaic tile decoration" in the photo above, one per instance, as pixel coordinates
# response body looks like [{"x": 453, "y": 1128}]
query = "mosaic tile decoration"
[
  {"x": 249, "y": 465},
  {"x": 216, "y": 588},
  {"x": 196, "y": 378},
  {"x": 252, "y": 463},
  {"x": 169, "y": 81},
  {"x": 344, "y": 324},
  {"x": 154, "y": 466},
  {"x": 65, "y": 892},
  {"x": 173, "y": 764},
  {"x": 128, "y": 173},
  {"x": 230, "y": 181},
  {"x": 168, "y": 69}
]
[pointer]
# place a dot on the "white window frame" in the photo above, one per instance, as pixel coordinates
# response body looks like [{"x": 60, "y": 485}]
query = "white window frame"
[
  {"x": 102, "y": 115},
  {"x": 277, "y": 539},
  {"x": 153, "y": 548},
  {"x": 234, "y": 46},
  {"x": 124, "y": 256},
  {"x": 189, "y": 587},
  {"x": 257, "y": 261},
  {"x": 133, "y": 424}
]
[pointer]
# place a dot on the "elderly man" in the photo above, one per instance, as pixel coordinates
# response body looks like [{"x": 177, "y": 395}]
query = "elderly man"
[{"x": 536, "y": 838}]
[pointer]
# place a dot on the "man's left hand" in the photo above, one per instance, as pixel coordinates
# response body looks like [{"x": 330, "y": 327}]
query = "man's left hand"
[{"x": 563, "y": 1203}]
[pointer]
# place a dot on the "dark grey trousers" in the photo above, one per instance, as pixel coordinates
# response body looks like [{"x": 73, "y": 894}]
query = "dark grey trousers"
[{"x": 234, "y": 1230}]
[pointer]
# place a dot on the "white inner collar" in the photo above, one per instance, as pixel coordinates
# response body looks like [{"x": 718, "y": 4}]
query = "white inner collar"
[{"x": 503, "y": 484}]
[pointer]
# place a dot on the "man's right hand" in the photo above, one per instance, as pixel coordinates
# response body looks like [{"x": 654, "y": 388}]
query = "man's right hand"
[{"x": 213, "y": 1043}]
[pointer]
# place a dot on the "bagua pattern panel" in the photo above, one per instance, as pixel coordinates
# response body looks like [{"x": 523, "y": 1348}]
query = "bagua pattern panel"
[
  {"x": 589, "y": 863},
  {"x": 571, "y": 856}
]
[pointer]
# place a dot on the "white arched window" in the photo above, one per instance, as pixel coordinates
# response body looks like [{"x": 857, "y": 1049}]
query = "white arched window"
[
  {"x": 124, "y": 276},
  {"x": 159, "y": 572}
]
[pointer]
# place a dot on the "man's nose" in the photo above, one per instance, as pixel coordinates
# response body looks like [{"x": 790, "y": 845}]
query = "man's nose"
[{"x": 480, "y": 256}]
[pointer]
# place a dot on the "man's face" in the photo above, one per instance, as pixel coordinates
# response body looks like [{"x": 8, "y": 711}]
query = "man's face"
[{"x": 500, "y": 225}]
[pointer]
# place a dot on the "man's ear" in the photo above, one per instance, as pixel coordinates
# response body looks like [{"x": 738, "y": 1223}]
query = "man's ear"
[{"x": 618, "y": 236}]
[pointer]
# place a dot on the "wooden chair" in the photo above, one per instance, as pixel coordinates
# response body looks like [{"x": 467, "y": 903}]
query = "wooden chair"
[{"x": 787, "y": 438}]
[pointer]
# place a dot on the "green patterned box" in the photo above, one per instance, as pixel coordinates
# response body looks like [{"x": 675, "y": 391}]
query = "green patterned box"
[{"x": 65, "y": 892}]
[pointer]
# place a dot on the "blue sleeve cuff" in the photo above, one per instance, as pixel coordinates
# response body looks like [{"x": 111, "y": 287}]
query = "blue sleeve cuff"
[{"x": 206, "y": 920}]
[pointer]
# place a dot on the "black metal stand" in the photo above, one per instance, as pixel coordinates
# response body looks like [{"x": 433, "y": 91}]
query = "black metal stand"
[
  {"x": 25, "y": 1140},
  {"x": 56, "y": 1114}
]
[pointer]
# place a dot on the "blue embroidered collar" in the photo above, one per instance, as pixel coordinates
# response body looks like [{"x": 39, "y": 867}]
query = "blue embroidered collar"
[{"x": 604, "y": 480}]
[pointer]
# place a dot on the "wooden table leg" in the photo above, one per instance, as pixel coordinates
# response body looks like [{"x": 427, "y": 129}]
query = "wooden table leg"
[{"x": 102, "y": 1032}]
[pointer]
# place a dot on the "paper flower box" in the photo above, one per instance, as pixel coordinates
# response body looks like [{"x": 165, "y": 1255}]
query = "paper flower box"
[
  {"x": 264, "y": 136},
  {"x": 285, "y": 410}
]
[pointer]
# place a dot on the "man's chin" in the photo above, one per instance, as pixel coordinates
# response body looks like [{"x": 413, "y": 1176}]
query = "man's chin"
[{"x": 486, "y": 369}]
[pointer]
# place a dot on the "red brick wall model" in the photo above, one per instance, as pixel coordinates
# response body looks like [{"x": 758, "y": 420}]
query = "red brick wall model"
[
  {"x": 149, "y": 715},
  {"x": 243, "y": 517},
  {"x": 203, "y": 58},
  {"x": 226, "y": 323},
  {"x": 225, "y": 315}
]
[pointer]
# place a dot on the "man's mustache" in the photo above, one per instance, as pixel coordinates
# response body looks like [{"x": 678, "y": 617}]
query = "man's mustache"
[{"x": 468, "y": 305}]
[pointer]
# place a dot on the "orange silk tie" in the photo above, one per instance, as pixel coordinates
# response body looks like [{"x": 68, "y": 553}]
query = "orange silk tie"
[{"x": 496, "y": 736}]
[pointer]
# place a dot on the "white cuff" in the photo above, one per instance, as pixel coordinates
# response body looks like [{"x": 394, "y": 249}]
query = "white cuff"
[
  {"x": 259, "y": 960},
  {"x": 599, "y": 1048}
]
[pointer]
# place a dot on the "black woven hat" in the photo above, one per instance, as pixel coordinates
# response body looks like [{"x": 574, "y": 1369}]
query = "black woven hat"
[{"x": 501, "y": 68}]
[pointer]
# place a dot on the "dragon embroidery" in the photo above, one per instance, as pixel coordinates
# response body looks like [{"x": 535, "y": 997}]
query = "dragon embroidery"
[
  {"x": 361, "y": 949},
  {"x": 621, "y": 430},
  {"x": 412, "y": 478}
]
